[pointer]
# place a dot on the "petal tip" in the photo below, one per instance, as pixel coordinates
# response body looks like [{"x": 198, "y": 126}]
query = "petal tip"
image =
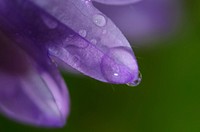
[{"x": 119, "y": 66}]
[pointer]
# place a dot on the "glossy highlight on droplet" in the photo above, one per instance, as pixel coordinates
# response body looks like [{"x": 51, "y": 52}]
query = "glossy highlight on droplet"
[{"x": 99, "y": 20}]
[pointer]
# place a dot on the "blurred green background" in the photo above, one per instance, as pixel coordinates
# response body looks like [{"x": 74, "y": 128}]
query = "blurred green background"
[{"x": 167, "y": 100}]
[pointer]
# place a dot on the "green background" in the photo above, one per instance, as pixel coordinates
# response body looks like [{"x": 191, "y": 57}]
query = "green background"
[{"x": 167, "y": 100}]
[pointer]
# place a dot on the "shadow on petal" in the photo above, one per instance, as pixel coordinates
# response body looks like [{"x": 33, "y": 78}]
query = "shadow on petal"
[{"x": 30, "y": 93}]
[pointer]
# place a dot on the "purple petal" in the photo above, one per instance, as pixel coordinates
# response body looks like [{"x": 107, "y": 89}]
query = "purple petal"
[
  {"x": 117, "y": 2},
  {"x": 95, "y": 47},
  {"x": 31, "y": 92},
  {"x": 75, "y": 33},
  {"x": 145, "y": 20}
]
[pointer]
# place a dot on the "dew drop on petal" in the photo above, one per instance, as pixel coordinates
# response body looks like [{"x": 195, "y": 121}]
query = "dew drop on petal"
[
  {"x": 99, "y": 20},
  {"x": 136, "y": 82},
  {"x": 118, "y": 66},
  {"x": 83, "y": 33},
  {"x": 93, "y": 41},
  {"x": 87, "y": 1}
]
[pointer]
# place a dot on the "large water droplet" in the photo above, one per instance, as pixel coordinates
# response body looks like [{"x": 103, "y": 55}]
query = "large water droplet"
[
  {"x": 99, "y": 20},
  {"x": 136, "y": 82},
  {"x": 119, "y": 66}
]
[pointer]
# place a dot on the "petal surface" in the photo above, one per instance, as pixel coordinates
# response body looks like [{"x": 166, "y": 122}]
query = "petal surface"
[
  {"x": 117, "y": 2},
  {"x": 31, "y": 92},
  {"x": 145, "y": 20},
  {"x": 76, "y": 34},
  {"x": 100, "y": 38}
]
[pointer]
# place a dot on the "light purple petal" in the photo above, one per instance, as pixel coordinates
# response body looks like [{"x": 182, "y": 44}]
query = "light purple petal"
[
  {"x": 31, "y": 92},
  {"x": 75, "y": 33},
  {"x": 95, "y": 46},
  {"x": 145, "y": 20},
  {"x": 117, "y": 2}
]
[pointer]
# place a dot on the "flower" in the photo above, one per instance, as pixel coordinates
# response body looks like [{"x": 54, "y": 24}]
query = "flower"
[
  {"x": 38, "y": 35},
  {"x": 145, "y": 21}
]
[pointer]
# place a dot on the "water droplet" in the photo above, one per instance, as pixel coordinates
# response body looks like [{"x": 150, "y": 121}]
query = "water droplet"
[
  {"x": 93, "y": 41},
  {"x": 83, "y": 33},
  {"x": 87, "y": 1},
  {"x": 115, "y": 65},
  {"x": 136, "y": 82},
  {"x": 99, "y": 20}
]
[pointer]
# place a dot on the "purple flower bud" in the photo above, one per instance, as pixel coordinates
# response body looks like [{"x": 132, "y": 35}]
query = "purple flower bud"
[{"x": 69, "y": 33}]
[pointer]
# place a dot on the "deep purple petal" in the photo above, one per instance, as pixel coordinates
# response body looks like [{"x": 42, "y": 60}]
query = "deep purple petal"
[
  {"x": 145, "y": 20},
  {"x": 117, "y": 2},
  {"x": 31, "y": 92}
]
